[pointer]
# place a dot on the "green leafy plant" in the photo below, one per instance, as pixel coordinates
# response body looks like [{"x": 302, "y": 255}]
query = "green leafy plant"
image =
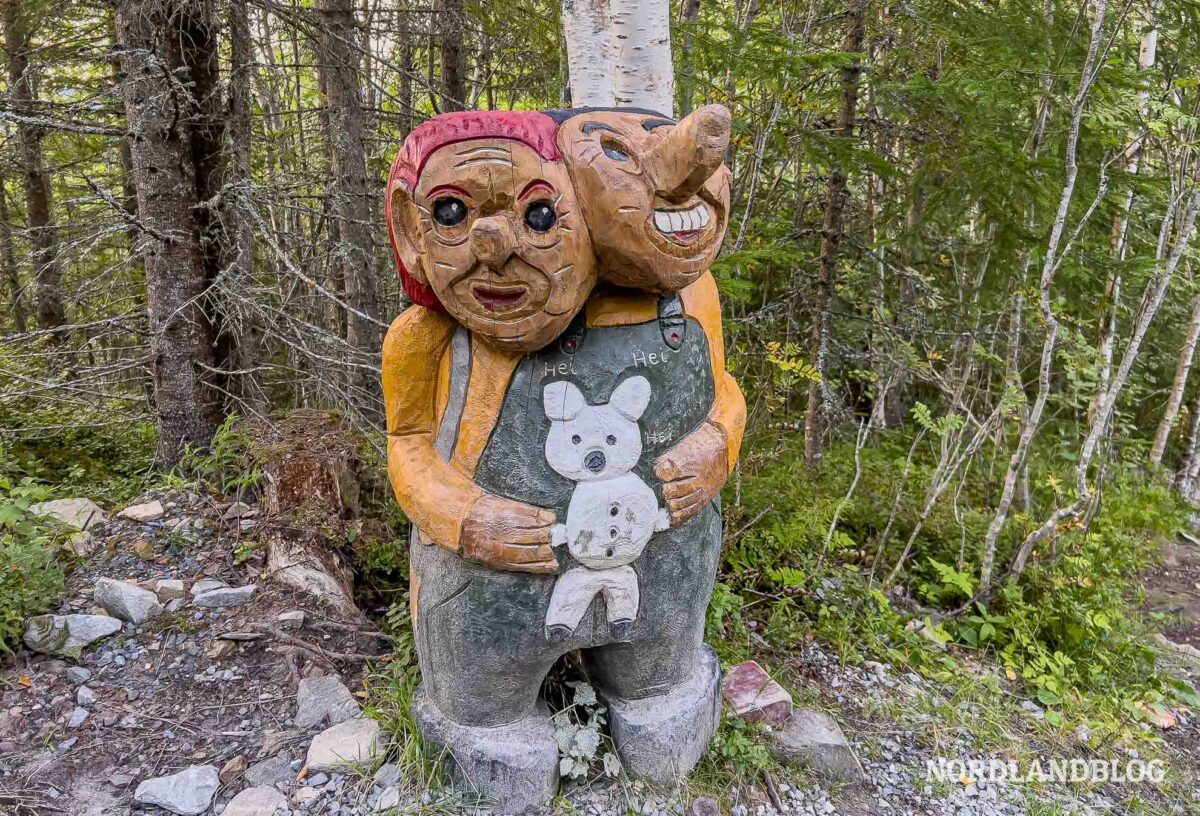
[{"x": 30, "y": 578}]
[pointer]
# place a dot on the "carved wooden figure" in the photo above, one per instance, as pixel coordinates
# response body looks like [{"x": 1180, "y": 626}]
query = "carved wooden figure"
[{"x": 560, "y": 445}]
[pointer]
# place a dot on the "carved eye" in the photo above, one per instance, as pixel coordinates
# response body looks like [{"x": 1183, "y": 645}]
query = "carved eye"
[
  {"x": 576, "y": 439},
  {"x": 449, "y": 211},
  {"x": 614, "y": 151},
  {"x": 540, "y": 216},
  {"x": 610, "y": 439}
]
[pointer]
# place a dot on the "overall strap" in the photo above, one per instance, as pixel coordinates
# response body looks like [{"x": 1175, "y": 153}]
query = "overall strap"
[{"x": 671, "y": 320}]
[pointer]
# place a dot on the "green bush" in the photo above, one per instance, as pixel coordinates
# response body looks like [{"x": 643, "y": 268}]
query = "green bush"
[{"x": 30, "y": 579}]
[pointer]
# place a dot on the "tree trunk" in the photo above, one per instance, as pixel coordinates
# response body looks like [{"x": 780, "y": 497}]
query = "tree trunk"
[
  {"x": 643, "y": 74},
  {"x": 8, "y": 264},
  {"x": 349, "y": 190},
  {"x": 687, "y": 20},
  {"x": 831, "y": 234},
  {"x": 589, "y": 53},
  {"x": 451, "y": 20},
  {"x": 43, "y": 233},
  {"x": 158, "y": 114},
  {"x": 407, "y": 65},
  {"x": 1182, "y": 368}
]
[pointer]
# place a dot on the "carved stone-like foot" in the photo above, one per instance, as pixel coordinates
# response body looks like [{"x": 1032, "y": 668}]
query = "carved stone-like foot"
[
  {"x": 660, "y": 739},
  {"x": 558, "y": 632},
  {"x": 514, "y": 767}
]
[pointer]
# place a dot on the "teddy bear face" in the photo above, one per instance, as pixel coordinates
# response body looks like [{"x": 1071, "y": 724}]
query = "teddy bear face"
[{"x": 588, "y": 443}]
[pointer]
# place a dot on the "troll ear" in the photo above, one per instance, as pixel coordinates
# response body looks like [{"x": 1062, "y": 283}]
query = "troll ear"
[
  {"x": 631, "y": 398},
  {"x": 562, "y": 400},
  {"x": 407, "y": 231}
]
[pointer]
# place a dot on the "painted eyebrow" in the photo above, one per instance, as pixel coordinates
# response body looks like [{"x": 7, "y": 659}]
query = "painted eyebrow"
[
  {"x": 651, "y": 124},
  {"x": 589, "y": 127},
  {"x": 534, "y": 186},
  {"x": 447, "y": 188}
]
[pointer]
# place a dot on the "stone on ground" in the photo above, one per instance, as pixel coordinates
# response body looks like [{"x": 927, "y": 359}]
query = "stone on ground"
[
  {"x": 291, "y": 620},
  {"x": 353, "y": 741},
  {"x": 150, "y": 511},
  {"x": 232, "y": 769},
  {"x": 188, "y": 793},
  {"x": 85, "y": 696},
  {"x": 388, "y": 775},
  {"x": 78, "y": 674},
  {"x": 238, "y": 510},
  {"x": 78, "y": 717},
  {"x": 274, "y": 771},
  {"x": 67, "y": 634},
  {"x": 754, "y": 696},
  {"x": 324, "y": 701},
  {"x": 78, "y": 513},
  {"x": 126, "y": 601},
  {"x": 207, "y": 585},
  {"x": 168, "y": 589},
  {"x": 256, "y": 801},
  {"x": 389, "y": 799},
  {"x": 703, "y": 806},
  {"x": 225, "y": 597},
  {"x": 813, "y": 739}
]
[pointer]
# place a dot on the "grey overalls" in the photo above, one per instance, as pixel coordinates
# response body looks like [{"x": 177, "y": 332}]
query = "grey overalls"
[{"x": 480, "y": 636}]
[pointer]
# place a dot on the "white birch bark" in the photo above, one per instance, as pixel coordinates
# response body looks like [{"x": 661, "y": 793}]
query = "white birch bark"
[
  {"x": 589, "y": 53},
  {"x": 1182, "y": 368},
  {"x": 643, "y": 74}
]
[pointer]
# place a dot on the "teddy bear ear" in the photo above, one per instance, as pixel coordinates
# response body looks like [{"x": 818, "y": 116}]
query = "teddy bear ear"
[
  {"x": 562, "y": 400},
  {"x": 631, "y": 398}
]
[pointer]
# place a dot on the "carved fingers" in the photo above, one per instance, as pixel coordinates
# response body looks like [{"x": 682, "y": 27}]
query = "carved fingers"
[
  {"x": 693, "y": 472},
  {"x": 509, "y": 535}
]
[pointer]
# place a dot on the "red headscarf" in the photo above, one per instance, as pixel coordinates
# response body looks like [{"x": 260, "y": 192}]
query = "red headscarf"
[{"x": 533, "y": 129}]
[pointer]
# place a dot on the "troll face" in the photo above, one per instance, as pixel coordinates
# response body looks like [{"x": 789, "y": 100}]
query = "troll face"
[
  {"x": 494, "y": 230},
  {"x": 654, "y": 192}
]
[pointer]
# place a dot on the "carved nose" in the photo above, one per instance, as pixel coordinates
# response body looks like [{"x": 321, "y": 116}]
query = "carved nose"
[
  {"x": 595, "y": 461},
  {"x": 691, "y": 152},
  {"x": 492, "y": 240}
]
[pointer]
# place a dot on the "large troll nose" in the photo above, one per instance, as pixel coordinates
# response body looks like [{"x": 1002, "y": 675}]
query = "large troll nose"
[{"x": 691, "y": 152}]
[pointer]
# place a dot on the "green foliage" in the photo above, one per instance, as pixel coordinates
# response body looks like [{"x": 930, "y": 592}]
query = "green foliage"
[
  {"x": 229, "y": 465},
  {"x": 30, "y": 579}
]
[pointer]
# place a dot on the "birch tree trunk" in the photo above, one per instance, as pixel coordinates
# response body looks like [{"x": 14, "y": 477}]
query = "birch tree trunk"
[
  {"x": 643, "y": 74},
  {"x": 831, "y": 233},
  {"x": 1182, "y": 368},
  {"x": 158, "y": 111},
  {"x": 589, "y": 53},
  {"x": 42, "y": 231}
]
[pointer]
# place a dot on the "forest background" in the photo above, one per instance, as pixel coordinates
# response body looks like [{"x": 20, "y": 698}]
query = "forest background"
[{"x": 959, "y": 284}]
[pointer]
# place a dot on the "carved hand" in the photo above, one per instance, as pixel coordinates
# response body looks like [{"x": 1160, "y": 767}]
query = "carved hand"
[
  {"x": 693, "y": 472},
  {"x": 509, "y": 535}
]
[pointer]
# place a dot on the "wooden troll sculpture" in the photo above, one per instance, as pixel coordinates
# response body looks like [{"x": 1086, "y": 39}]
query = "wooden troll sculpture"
[{"x": 559, "y": 444}]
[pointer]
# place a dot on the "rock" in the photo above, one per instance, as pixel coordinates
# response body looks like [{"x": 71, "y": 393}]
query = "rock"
[
  {"x": 274, "y": 771},
  {"x": 120, "y": 780},
  {"x": 256, "y": 801},
  {"x": 78, "y": 717},
  {"x": 813, "y": 739},
  {"x": 324, "y": 701},
  {"x": 304, "y": 795},
  {"x": 169, "y": 589},
  {"x": 703, "y": 806},
  {"x": 232, "y": 769},
  {"x": 387, "y": 775},
  {"x": 81, "y": 544},
  {"x": 187, "y": 793},
  {"x": 241, "y": 637},
  {"x": 150, "y": 511},
  {"x": 353, "y": 741},
  {"x": 207, "y": 585},
  {"x": 143, "y": 549},
  {"x": 78, "y": 674},
  {"x": 316, "y": 780},
  {"x": 754, "y": 696},
  {"x": 238, "y": 510},
  {"x": 85, "y": 696},
  {"x": 221, "y": 650},
  {"x": 67, "y": 635},
  {"x": 225, "y": 597},
  {"x": 389, "y": 799},
  {"x": 126, "y": 601},
  {"x": 291, "y": 620},
  {"x": 78, "y": 513}
]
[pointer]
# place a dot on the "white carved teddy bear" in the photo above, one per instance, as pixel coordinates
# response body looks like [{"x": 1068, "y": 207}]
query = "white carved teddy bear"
[{"x": 612, "y": 513}]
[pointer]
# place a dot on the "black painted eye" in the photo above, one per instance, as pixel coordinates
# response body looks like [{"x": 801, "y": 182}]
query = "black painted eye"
[
  {"x": 610, "y": 439},
  {"x": 615, "y": 152},
  {"x": 449, "y": 212},
  {"x": 540, "y": 216},
  {"x": 576, "y": 439}
]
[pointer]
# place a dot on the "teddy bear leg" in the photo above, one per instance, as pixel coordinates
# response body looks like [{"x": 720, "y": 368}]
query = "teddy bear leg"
[
  {"x": 572, "y": 595},
  {"x": 621, "y": 599}
]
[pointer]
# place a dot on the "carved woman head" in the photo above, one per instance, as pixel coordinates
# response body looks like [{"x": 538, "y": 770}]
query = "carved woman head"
[{"x": 485, "y": 224}]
